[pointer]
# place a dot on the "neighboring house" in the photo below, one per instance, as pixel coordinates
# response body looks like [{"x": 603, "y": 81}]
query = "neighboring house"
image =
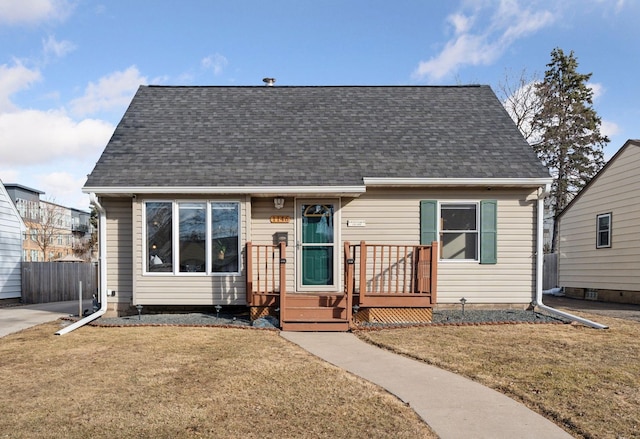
[
  {"x": 11, "y": 231},
  {"x": 599, "y": 233},
  {"x": 53, "y": 231},
  {"x": 361, "y": 199}
]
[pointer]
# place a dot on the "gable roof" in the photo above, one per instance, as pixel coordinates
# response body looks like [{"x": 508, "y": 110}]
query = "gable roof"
[
  {"x": 629, "y": 143},
  {"x": 215, "y": 137},
  {"x": 5, "y": 200}
]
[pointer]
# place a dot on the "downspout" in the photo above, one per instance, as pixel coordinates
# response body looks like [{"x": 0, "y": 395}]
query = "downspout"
[
  {"x": 102, "y": 264},
  {"x": 542, "y": 193}
]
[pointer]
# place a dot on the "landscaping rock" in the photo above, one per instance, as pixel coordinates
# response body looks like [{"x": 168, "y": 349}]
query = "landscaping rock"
[{"x": 266, "y": 322}]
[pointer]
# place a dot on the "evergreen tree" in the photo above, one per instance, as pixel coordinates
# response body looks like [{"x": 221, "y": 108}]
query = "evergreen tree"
[{"x": 570, "y": 143}]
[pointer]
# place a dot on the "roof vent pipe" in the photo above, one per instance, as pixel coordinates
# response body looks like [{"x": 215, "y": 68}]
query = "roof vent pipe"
[{"x": 269, "y": 81}]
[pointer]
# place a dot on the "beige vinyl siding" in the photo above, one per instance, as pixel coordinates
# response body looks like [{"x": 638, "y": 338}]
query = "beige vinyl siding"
[
  {"x": 186, "y": 288},
  {"x": 393, "y": 216},
  {"x": 119, "y": 249},
  {"x": 616, "y": 190},
  {"x": 262, "y": 230}
]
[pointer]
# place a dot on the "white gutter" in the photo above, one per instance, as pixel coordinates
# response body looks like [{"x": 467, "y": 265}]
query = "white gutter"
[
  {"x": 542, "y": 193},
  {"x": 255, "y": 190},
  {"x": 482, "y": 182},
  {"x": 102, "y": 258}
]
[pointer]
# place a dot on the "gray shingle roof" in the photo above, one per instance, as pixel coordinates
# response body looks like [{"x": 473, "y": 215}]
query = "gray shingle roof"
[{"x": 310, "y": 136}]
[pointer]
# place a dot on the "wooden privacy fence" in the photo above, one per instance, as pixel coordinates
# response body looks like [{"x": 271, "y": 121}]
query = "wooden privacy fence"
[
  {"x": 44, "y": 282},
  {"x": 550, "y": 271}
]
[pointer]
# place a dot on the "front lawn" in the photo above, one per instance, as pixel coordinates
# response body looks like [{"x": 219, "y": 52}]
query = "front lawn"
[
  {"x": 170, "y": 382},
  {"x": 586, "y": 380}
]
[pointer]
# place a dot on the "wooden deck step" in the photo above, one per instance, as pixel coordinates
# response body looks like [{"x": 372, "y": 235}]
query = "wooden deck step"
[
  {"x": 322, "y": 300},
  {"x": 315, "y": 312},
  {"x": 335, "y": 325},
  {"x": 309, "y": 313}
]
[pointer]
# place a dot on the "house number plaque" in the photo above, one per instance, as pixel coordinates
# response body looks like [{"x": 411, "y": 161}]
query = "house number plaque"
[{"x": 280, "y": 219}]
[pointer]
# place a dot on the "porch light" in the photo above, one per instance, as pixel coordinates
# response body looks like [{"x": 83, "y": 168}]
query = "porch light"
[{"x": 278, "y": 202}]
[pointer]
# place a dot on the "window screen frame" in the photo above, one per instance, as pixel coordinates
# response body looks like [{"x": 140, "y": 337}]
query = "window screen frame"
[
  {"x": 608, "y": 231},
  {"x": 443, "y": 205},
  {"x": 210, "y": 248}
]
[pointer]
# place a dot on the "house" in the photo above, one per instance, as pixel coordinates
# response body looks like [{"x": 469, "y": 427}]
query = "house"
[
  {"x": 319, "y": 204},
  {"x": 53, "y": 231},
  {"x": 11, "y": 230},
  {"x": 599, "y": 239}
]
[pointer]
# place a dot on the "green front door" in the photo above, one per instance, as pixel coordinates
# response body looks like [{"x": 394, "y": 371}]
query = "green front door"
[{"x": 316, "y": 249}]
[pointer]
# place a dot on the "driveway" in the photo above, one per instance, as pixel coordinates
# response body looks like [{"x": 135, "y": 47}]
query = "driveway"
[
  {"x": 17, "y": 318},
  {"x": 608, "y": 309}
]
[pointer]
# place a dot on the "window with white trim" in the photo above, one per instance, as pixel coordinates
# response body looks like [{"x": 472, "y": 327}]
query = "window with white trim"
[
  {"x": 459, "y": 231},
  {"x": 603, "y": 230},
  {"x": 159, "y": 236},
  {"x": 192, "y": 237}
]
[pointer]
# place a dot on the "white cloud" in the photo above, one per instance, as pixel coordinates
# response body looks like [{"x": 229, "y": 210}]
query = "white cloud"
[
  {"x": 609, "y": 128},
  {"x": 33, "y": 11},
  {"x": 619, "y": 4},
  {"x": 215, "y": 62},
  {"x": 55, "y": 48},
  {"x": 12, "y": 80},
  {"x": 111, "y": 92},
  {"x": 9, "y": 175},
  {"x": 597, "y": 89},
  {"x": 473, "y": 46},
  {"x": 62, "y": 187},
  {"x": 461, "y": 23},
  {"x": 33, "y": 136}
]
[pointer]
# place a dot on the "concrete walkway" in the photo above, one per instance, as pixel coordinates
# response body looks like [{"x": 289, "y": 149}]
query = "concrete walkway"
[
  {"x": 453, "y": 406},
  {"x": 17, "y": 318}
]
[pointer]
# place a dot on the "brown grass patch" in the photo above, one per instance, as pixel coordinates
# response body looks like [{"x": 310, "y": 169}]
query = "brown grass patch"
[
  {"x": 155, "y": 382},
  {"x": 585, "y": 380}
]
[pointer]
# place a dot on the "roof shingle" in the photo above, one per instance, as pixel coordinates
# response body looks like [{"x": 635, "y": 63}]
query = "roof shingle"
[{"x": 311, "y": 136}]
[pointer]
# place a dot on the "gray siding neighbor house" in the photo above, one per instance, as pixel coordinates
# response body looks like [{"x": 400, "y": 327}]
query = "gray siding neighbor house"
[
  {"x": 11, "y": 231},
  {"x": 599, "y": 233},
  {"x": 382, "y": 201}
]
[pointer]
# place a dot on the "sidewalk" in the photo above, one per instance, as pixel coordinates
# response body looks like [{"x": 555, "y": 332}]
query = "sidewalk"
[
  {"x": 17, "y": 318},
  {"x": 453, "y": 406}
]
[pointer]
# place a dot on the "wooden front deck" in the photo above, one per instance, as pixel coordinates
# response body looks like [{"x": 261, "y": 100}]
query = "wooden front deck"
[{"x": 382, "y": 282}]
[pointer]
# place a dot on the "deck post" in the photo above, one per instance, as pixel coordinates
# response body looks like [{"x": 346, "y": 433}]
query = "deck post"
[
  {"x": 249, "y": 274},
  {"x": 349, "y": 262},
  {"x": 363, "y": 273},
  {"x": 282, "y": 280},
  {"x": 435, "y": 255}
]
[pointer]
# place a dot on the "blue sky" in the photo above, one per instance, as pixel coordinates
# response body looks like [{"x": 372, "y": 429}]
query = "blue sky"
[{"x": 69, "y": 68}]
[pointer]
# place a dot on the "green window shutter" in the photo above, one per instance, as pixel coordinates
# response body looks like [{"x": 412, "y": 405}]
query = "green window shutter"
[
  {"x": 488, "y": 232},
  {"x": 428, "y": 221}
]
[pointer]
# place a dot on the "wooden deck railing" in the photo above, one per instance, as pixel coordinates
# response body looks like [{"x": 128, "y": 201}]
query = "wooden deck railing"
[
  {"x": 395, "y": 275},
  {"x": 380, "y": 275},
  {"x": 265, "y": 270}
]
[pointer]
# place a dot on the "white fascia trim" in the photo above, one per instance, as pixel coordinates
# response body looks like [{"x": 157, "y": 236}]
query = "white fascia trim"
[
  {"x": 255, "y": 190},
  {"x": 493, "y": 182}
]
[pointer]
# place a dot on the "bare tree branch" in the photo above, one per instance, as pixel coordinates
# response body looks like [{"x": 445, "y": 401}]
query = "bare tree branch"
[{"x": 518, "y": 96}]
